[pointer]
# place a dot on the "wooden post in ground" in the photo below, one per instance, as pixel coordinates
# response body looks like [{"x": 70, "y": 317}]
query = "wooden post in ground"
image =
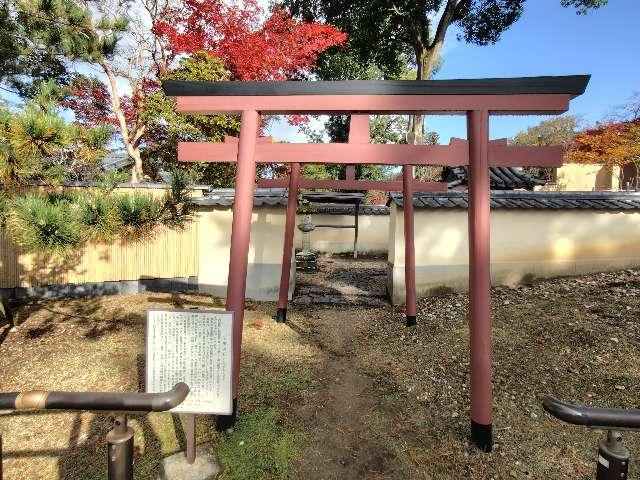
[
  {"x": 289, "y": 230},
  {"x": 409, "y": 247},
  {"x": 239, "y": 253},
  {"x": 358, "y": 133},
  {"x": 480, "y": 279}
]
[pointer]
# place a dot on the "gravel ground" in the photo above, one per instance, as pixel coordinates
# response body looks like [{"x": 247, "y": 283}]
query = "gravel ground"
[
  {"x": 377, "y": 400},
  {"x": 577, "y": 338}
]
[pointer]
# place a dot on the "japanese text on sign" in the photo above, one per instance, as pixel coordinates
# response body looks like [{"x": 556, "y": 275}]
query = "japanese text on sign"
[{"x": 191, "y": 346}]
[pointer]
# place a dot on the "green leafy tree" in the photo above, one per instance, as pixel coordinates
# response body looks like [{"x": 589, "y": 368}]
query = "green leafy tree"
[
  {"x": 556, "y": 131},
  {"x": 344, "y": 64},
  {"x": 383, "y": 31},
  {"x": 109, "y": 35},
  {"x": 25, "y": 63},
  {"x": 166, "y": 127},
  {"x": 36, "y": 143},
  {"x": 135, "y": 42}
]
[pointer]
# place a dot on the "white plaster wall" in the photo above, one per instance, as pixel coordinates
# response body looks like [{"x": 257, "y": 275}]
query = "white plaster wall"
[
  {"x": 525, "y": 244},
  {"x": 373, "y": 233},
  {"x": 265, "y": 249},
  {"x": 265, "y": 252}
]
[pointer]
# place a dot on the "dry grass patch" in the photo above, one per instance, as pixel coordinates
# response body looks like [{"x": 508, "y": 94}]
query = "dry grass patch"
[{"x": 98, "y": 344}]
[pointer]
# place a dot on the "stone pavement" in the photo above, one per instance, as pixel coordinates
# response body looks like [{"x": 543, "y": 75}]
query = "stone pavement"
[{"x": 343, "y": 281}]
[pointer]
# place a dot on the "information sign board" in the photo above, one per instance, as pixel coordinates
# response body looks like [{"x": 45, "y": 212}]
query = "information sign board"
[{"x": 195, "y": 347}]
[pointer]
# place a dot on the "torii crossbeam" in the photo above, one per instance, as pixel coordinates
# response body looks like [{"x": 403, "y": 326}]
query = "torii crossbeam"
[{"x": 477, "y": 99}]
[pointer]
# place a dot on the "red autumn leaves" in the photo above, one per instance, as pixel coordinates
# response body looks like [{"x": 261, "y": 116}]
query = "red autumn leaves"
[{"x": 251, "y": 45}]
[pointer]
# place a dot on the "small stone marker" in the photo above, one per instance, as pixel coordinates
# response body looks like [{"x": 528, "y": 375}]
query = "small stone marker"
[{"x": 195, "y": 347}]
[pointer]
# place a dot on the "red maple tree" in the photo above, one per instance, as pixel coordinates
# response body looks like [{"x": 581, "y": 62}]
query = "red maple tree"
[
  {"x": 613, "y": 145},
  {"x": 90, "y": 101},
  {"x": 276, "y": 48}
]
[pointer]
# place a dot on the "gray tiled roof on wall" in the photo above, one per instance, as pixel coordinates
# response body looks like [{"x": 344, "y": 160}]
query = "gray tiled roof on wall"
[
  {"x": 501, "y": 178},
  {"x": 261, "y": 196},
  {"x": 278, "y": 197},
  {"x": 334, "y": 209},
  {"x": 525, "y": 199}
]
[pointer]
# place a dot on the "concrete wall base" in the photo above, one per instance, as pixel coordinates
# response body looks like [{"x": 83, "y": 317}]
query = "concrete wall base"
[
  {"x": 439, "y": 279},
  {"x": 263, "y": 282},
  {"x": 92, "y": 289}
]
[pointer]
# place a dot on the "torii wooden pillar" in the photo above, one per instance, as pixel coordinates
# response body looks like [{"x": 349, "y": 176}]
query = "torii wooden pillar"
[{"x": 477, "y": 99}]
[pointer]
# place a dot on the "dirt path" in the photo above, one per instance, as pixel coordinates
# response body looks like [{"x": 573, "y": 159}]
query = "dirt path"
[
  {"x": 392, "y": 403},
  {"x": 342, "y": 443},
  {"x": 343, "y": 281}
]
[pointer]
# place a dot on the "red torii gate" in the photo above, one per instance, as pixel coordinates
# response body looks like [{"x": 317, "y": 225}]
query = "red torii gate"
[
  {"x": 476, "y": 99},
  {"x": 358, "y": 134}
]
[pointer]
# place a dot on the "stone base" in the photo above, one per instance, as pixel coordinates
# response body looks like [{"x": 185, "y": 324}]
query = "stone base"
[
  {"x": 206, "y": 466},
  {"x": 306, "y": 262}
]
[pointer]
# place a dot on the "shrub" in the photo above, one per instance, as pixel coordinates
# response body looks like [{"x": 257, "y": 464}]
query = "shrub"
[
  {"x": 178, "y": 206},
  {"x": 111, "y": 178},
  {"x": 37, "y": 224},
  {"x": 97, "y": 218},
  {"x": 56, "y": 197},
  {"x": 138, "y": 215}
]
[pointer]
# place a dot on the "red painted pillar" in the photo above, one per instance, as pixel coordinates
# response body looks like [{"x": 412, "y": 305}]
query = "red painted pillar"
[
  {"x": 409, "y": 247},
  {"x": 358, "y": 133},
  {"x": 289, "y": 230},
  {"x": 358, "y": 130},
  {"x": 480, "y": 278},
  {"x": 240, "y": 234}
]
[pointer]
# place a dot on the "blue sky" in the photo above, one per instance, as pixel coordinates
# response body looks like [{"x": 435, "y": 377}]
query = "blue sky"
[{"x": 547, "y": 40}]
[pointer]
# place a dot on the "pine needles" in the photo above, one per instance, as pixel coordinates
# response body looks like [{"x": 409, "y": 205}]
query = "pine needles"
[
  {"x": 97, "y": 218},
  {"x": 139, "y": 215},
  {"x": 37, "y": 224},
  {"x": 58, "y": 221}
]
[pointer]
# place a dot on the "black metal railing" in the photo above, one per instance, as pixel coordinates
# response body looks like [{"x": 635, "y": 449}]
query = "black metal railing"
[
  {"x": 120, "y": 438},
  {"x": 613, "y": 457},
  {"x": 112, "y": 401}
]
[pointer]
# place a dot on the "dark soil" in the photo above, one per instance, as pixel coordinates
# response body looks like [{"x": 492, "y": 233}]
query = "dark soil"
[{"x": 376, "y": 400}]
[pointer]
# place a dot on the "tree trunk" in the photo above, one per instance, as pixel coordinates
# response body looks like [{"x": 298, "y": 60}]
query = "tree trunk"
[
  {"x": 136, "y": 169},
  {"x": 129, "y": 139},
  {"x": 415, "y": 133}
]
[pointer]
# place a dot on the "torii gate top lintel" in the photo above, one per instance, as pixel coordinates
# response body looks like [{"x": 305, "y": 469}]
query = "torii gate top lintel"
[{"x": 523, "y": 95}]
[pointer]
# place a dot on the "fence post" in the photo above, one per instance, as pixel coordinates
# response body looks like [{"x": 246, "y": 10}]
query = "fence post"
[
  {"x": 409, "y": 247},
  {"x": 289, "y": 230},
  {"x": 120, "y": 450}
]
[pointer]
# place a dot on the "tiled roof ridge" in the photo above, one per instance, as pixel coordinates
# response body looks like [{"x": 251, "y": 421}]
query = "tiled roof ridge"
[{"x": 603, "y": 200}]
